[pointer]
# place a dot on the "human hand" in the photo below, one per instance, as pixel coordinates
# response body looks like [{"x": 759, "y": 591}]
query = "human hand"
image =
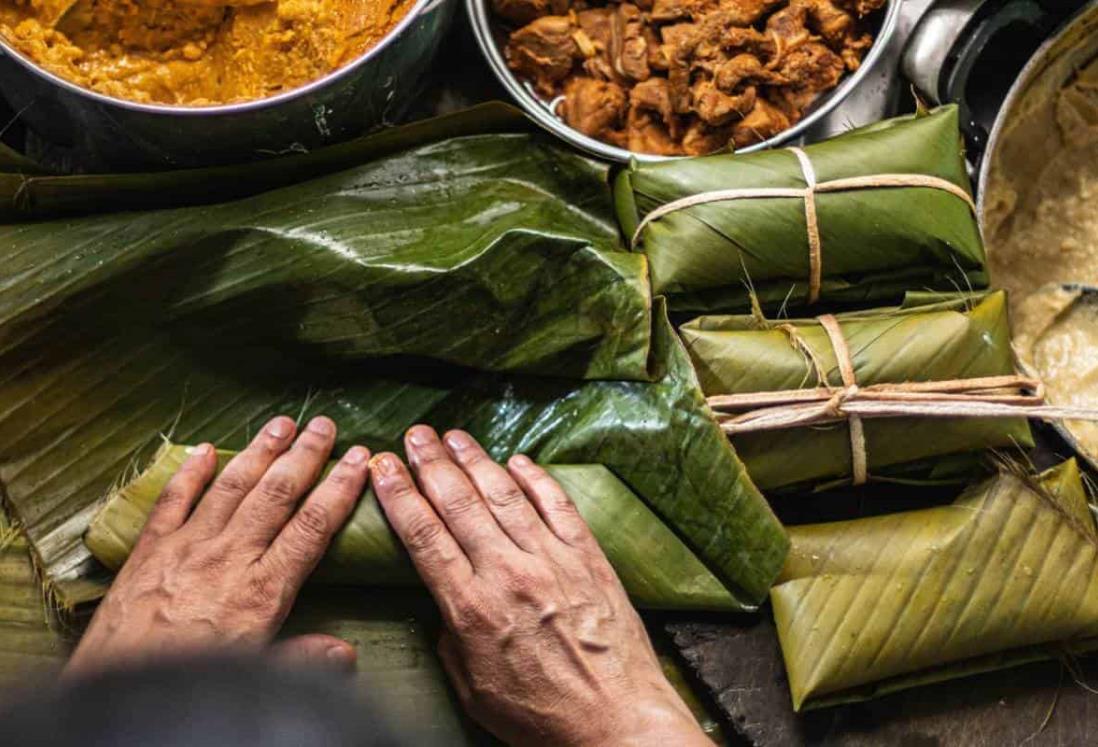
[
  {"x": 541, "y": 641},
  {"x": 226, "y": 575}
]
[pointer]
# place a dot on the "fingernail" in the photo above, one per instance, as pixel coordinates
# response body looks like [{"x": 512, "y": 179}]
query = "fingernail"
[
  {"x": 280, "y": 427},
  {"x": 321, "y": 425},
  {"x": 459, "y": 440},
  {"x": 203, "y": 450},
  {"x": 421, "y": 435},
  {"x": 341, "y": 656},
  {"x": 356, "y": 455},
  {"x": 385, "y": 465},
  {"x": 522, "y": 461}
]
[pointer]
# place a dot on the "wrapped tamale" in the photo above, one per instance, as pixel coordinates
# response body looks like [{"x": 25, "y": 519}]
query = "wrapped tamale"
[
  {"x": 658, "y": 570},
  {"x": 890, "y": 212},
  {"x": 472, "y": 282},
  {"x": 1006, "y": 574},
  {"x": 930, "y": 338}
]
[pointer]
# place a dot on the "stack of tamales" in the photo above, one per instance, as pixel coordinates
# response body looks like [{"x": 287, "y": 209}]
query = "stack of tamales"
[{"x": 467, "y": 273}]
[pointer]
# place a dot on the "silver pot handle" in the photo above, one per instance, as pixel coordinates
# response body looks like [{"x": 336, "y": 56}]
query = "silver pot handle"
[
  {"x": 932, "y": 42},
  {"x": 949, "y": 41}
]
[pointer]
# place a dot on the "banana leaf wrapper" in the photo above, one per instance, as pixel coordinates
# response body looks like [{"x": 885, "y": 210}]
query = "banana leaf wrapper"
[
  {"x": 658, "y": 570},
  {"x": 1005, "y": 575},
  {"x": 876, "y": 243},
  {"x": 929, "y": 338},
  {"x": 30, "y": 191},
  {"x": 200, "y": 323},
  {"x": 32, "y": 646}
]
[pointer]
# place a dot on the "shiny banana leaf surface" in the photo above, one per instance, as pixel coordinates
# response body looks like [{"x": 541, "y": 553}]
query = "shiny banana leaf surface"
[
  {"x": 28, "y": 191},
  {"x": 876, "y": 243},
  {"x": 930, "y": 337},
  {"x": 31, "y": 645},
  {"x": 510, "y": 235},
  {"x": 1006, "y": 574},
  {"x": 658, "y": 570},
  {"x": 358, "y": 295}
]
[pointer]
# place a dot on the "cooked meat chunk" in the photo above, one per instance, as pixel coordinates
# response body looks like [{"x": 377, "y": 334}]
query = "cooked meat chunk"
[
  {"x": 829, "y": 21},
  {"x": 657, "y": 58},
  {"x": 744, "y": 69},
  {"x": 761, "y": 123},
  {"x": 524, "y": 11},
  {"x": 715, "y": 107},
  {"x": 648, "y": 134},
  {"x": 811, "y": 69},
  {"x": 596, "y": 108},
  {"x": 787, "y": 28},
  {"x": 630, "y": 47},
  {"x": 677, "y": 77},
  {"x": 544, "y": 52},
  {"x": 862, "y": 8},
  {"x": 654, "y": 95},
  {"x": 701, "y": 139}
]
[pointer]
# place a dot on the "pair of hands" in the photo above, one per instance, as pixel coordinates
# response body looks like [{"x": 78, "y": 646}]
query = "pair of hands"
[{"x": 540, "y": 640}]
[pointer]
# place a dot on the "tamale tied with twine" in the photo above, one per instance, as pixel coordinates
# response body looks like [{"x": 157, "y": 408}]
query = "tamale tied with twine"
[
  {"x": 859, "y": 218},
  {"x": 899, "y": 393}
]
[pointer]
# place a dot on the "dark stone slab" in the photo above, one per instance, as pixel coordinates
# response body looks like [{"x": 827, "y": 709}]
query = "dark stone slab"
[{"x": 1034, "y": 705}]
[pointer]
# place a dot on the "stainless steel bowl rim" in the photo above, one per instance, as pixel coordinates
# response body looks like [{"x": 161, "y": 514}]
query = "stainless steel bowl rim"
[
  {"x": 220, "y": 109},
  {"x": 480, "y": 20}
]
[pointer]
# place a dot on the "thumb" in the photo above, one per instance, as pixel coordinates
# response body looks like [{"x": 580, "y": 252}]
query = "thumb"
[{"x": 316, "y": 651}]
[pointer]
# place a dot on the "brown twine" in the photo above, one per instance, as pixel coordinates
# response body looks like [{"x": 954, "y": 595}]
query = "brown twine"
[
  {"x": 989, "y": 396},
  {"x": 808, "y": 194}
]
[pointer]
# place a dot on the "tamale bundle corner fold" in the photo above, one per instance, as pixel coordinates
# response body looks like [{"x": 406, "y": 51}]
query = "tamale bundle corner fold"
[
  {"x": 1006, "y": 574},
  {"x": 860, "y": 218},
  {"x": 930, "y": 338}
]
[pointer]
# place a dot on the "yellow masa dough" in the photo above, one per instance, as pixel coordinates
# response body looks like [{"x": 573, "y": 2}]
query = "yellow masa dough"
[
  {"x": 195, "y": 52},
  {"x": 1045, "y": 235}
]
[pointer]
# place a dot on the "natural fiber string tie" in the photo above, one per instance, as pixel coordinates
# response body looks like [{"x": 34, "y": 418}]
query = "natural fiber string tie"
[
  {"x": 1007, "y": 396},
  {"x": 808, "y": 195}
]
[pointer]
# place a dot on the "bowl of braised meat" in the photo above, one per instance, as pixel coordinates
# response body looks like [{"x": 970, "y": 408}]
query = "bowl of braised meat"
[{"x": 652, "y": 79}]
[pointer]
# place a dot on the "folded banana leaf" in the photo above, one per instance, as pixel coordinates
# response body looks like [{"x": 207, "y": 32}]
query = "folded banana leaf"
[
  {"x": 929, "y": 338},
  {"x": 29, "y": 191},
  {"x": 658, "y": 570},
  {"x": 31, "y": 644},
  {"x": 876, "y": 243},
  {"x": 1006, "y": 574},
  {"x": 355, "y": 295},
  {"x": 511, "y": 235}
]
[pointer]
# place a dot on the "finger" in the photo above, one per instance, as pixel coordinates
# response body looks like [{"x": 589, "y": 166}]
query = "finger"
[
  {"x": 265, "y": 510},
  {"x": 440, "y": 561},
  {"x": 315, "y": 651},
  {"x": 303, "y": 541},
  {"x": 240, "y": 476},
  {"x": 454, "y": 498},
  {"x": 501, "y": 493},
  {"x": 554, "y": 505},
  {"x": 180, "y": 494},
  {"x": 455, "y": 669}
]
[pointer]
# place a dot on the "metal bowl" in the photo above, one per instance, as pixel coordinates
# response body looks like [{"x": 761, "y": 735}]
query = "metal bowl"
[
  {"x": 106, "y": 133},
  {"x": 542, "y": 112}
]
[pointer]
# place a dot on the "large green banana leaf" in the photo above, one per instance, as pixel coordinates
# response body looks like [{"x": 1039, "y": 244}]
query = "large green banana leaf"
[
  {"x": 31, "y": 646},
  {"x": 876, "y": 243},
  {"x": 511, "y": 236},
  {"x": 27, "y": 190},
  {"x": 929, "y": 338},
  {"x": 658, "y": 570},
  {"x": 497, "y": 252},
  {"x": 1006, "y": 574}
]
